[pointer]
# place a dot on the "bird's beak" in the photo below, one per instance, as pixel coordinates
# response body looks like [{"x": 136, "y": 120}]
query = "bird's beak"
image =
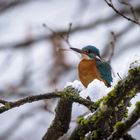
[{"x": 78, "y": 50}]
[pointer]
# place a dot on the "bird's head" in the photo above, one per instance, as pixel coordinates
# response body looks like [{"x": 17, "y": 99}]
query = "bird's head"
[{"x": 88, "y": 52}]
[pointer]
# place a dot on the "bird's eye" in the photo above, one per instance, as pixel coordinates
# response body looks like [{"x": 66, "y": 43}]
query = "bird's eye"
[{"x": 88, "y": 51}]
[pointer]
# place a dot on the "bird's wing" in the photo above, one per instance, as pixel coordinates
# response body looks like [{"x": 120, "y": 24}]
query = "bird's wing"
[{"x": 105, "y": 71}]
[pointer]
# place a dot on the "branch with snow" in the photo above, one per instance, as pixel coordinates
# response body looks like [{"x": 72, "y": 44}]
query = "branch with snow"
[
  {"x": 128, "y": 137},
  {"x": 3, "y": 102},
  {"x": 98, "y": 123},
  {"x": 123, "y": 127},
  {"x": 60, "y": 124},
  {"x": 109, "y": 109}
]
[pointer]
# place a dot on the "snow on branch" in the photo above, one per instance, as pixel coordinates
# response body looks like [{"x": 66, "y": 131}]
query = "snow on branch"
[
  {"x": 123, "y": 127},
  {"x": 99, "y": 122}
]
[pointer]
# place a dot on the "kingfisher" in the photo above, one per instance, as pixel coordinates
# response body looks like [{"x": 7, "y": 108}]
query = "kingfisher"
[{"x": 92, "y": 66}]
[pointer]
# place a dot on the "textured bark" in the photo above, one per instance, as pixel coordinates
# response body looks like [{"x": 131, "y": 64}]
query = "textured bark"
[
  {"x": 98, "y": 123},
  {"x": 60, "y": 124},
  {"x": 123, "y": 127},
  {"x": 71, "y": 95}
]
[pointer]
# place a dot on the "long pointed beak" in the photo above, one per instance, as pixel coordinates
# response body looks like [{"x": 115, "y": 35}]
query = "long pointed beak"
[{"x": 78, "y": 50}]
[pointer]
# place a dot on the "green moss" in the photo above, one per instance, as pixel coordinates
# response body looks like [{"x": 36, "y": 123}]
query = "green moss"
[
  {"x": 131, "y": 71},
  {"x": 138, "y": 104},
  {"x": 116, "y": 109},
  {"x": 121, "y": 104},
  {"x": 129, "y": 105},
  {"x": 132, "y": 93},
  {"x": 68, "y": 93},
  {"x": 7, "y": 106},
  {"x": 97, "y": 103},
  {"x": 82, "y": 121},
  {"x": 92, "y": 107},
  {"x": 94, "y": 134},
  {"x": 94, "y": 118},
  {"x": 110, "y": 95},
  {"x": 119, "y": 126},
  {"x": 79, "y": 119},
  {"x": 103, "y": 107},
  {"x": 126, "y": 113}
]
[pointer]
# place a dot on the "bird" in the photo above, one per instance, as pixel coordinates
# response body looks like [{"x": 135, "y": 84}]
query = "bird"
[{"x": 92, "y": 66}]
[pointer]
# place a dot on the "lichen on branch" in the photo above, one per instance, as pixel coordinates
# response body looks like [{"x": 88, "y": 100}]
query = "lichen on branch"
[{"x": 124, "y": 91}]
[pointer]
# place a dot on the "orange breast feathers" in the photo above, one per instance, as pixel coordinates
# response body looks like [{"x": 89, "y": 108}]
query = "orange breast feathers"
[{"x": 87, "y": 71}]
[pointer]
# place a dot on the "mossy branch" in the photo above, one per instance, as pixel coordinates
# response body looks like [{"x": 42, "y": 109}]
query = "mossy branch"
[
  {"x": 71, "y": 95},
  {"x": 60, "y": 124},
  {"x": 122, "y": 127},
  {"x": 98, "y": 123},
  {"x": 127, "y": 87},
  {"x": 128, "y": 137}
]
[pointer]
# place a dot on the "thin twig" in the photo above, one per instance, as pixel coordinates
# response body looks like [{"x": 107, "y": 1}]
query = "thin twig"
[
  {"x": 131, "y": 8},
  {"x": 119, "y": 76},
  {"x": 54, "y": 32},
  {"x": 112, "y": 43},
  {"x": 68, "y": 33},
  {"x": 110, "y": 4}
]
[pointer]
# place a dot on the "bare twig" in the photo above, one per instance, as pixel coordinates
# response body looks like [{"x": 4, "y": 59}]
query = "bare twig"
[
  {"x": 78, "y": 28},
  {"x": 4, "y": 6},
  {"x": 61, "y": 36},
  {"x": 110, "y": 4},
  {"x": 119, "y": 76},
  {"x": 112, "y": 44},
  {"x": 68, "y": 33},
  {"x": 131, "y": 9}
]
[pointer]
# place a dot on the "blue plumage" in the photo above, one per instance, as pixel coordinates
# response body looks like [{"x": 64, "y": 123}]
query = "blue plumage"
[
  {"x": 99, "y": 68},
  {"x": 92, "y": 51},
  {"x": 105, "y": 71},
  {"x": 103, "y": 67}
]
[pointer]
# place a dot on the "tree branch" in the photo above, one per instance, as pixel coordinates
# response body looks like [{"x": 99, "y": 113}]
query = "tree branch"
[
  {"x": 60, "y": 124},
  {"x": 98, "y": 122},
  {"x": 57, "y": 94},
  {"x": 110, "y": 4},
  {"x": 123, "y": 127},
  {"x": 128, "y": 137},
  {"x": 3, "y": 102}
]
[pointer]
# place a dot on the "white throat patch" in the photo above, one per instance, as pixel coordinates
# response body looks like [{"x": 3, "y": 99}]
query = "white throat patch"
[{"x": 84, "y": 56}]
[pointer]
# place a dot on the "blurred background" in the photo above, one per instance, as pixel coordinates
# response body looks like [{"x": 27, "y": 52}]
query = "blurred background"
[{"x": 32, "y": 59}]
